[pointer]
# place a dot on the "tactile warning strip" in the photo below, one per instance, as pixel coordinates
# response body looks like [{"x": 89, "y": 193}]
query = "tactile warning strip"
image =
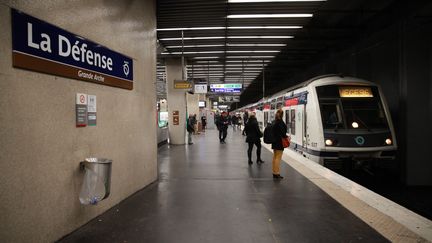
[{"x": 381, "y": 222}]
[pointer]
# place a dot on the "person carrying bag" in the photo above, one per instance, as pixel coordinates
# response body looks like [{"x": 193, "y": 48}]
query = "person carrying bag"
[{"x": 279, "y": 141}]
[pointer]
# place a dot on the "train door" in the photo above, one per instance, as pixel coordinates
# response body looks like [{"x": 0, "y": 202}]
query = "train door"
[{"x": 300, "y": 125}]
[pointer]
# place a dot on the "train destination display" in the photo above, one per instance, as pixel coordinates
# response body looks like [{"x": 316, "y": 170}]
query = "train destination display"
[
  {"x": 355, "y": 92},
  {"x": 43, "y": 47},
  {"x": 226, "y": 88}
]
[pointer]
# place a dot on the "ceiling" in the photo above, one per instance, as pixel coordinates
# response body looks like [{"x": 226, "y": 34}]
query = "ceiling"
[{"x": 222, "y": 44}]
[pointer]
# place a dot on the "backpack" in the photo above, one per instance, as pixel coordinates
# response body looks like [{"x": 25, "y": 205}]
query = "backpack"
[{"x": 268, "y": 134}]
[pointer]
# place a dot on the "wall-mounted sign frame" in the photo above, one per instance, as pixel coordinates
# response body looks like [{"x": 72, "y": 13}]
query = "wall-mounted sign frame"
[
  {"x": 200, "y": 89},
  {"x": 81, "y": 110},
  {"x": 43, "y": 47},
  {"x": 182, "y": 85}
]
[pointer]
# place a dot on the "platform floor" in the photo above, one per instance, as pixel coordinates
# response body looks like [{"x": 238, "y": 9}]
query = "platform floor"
[{"x": 207, "y": 192}]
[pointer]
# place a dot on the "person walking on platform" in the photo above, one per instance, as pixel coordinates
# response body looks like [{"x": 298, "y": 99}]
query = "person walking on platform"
[
  {"x": 190, "y": 128},
  {"x": 245, "y": 121},
  {"x": 222, "y": 124},
  {"x": 234, "y": 120},
  {"x": 204, "y": 122},
  {"x": 253, "y": 136},
  {"x": 279, "y": 130}
]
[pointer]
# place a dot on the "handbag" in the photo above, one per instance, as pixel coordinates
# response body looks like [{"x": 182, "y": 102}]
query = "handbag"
[{"x": 285, "y": 142}]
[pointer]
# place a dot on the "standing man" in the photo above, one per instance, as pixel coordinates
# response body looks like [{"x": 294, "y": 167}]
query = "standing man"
[
  {"x": 245, "y": 120},
  {"x": 190, "y": 128},
  {"x": 204, "y": 122},
  {"x": 223, "y": 127}
]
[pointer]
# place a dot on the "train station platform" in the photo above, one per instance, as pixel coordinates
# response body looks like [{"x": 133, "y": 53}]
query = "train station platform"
[{"x": 207, "y": 192}]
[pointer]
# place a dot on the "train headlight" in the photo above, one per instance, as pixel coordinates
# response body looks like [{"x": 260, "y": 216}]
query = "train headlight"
[
  {"x": 328, "y": 142},
  {"x": 388, "y": 141},
  {"x": 355, "y": 125}
]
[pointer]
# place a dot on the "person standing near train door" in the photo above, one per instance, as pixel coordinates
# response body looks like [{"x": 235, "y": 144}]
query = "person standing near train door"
[
  {"x": 279, "y": 130},
  {"x": 253, "y": 137}
]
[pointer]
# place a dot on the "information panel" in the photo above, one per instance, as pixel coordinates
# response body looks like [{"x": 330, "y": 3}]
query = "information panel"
[
  {"x": 43, "y": 47},
  {"x": 226, "y": 88}
]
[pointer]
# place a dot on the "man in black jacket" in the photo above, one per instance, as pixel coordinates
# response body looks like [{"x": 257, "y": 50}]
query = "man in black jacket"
[
  {"x": 253, "y": 136},
  {"x": 222, "y": 124}
]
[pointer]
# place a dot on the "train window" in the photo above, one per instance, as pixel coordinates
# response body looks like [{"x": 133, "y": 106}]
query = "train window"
[
  {"x": 293, "y": 130},
  {"x": 331, "y": 115},
  {"x": 366, "y": 113},
  {"x": 287, "y": 120}
]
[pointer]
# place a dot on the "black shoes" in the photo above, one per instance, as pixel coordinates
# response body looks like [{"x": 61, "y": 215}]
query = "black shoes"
[
  {"x": 250, "y": 162},
  {"x": 277, "y": 176}
]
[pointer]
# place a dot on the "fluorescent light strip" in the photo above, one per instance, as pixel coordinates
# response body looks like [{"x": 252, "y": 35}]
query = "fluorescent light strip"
[
  {"x": 192, "y": 28},
  {"x": 194, "y": 46},
  {"x": 205, "y": 57},
  {"x": 251, "y": 68},
  {"x": 260, "y": 51},
  {"x": 250, "y": 56},
  {"x": 262, "y": 37},
  {"x": 245, "y": 65},
  {"x": 263, "y": 27},
  {"x": 201, "y": 65},
  {"x": 205, "y": 62},
  {"x": 229, "y": 37},
  {"x": 194, "y": 38},
  {"x": 248, "y": 16},
  {"x": 256, "y": 45},
  {"x": 233, "y": 28},
  {"x": 249, "y": 61},
  {"x": 272, "y": 1},
  {"x": 191, "y": 52}
]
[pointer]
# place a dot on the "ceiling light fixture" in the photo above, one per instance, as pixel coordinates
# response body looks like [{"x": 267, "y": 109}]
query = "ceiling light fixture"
[
  {"x": 192, "y": 28},
  {"x": 250, "y": 56},
  {"x": 205, "y": 57},
  {"x": 259, "y": 51},
  {"x": 191, "y": 52},
  {"x": 262, "y": 37},
  {"x": 194, "y": 38},
  {"x": 264, "y": 27},
  {"x": 194, "y": 46},
  {"x": 272, "y": 1},
  {"x": 257, "y": 45},
  {"x": 249, "y": 16}
]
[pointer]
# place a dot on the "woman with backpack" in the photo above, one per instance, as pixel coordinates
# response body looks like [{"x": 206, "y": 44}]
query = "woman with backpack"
[
  {"x": 253, "y": 136},
  {"x": 279, "y": 130}
]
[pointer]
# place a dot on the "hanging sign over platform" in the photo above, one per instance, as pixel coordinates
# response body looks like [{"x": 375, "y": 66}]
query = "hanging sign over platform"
[{"x": 43, "y": 47}]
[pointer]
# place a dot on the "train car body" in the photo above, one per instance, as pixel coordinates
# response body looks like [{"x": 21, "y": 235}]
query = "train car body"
[{"x": 332, "y": 118}]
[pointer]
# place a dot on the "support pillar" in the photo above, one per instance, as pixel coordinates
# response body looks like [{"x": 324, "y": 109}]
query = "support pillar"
[{"x": 176, "y": 102}]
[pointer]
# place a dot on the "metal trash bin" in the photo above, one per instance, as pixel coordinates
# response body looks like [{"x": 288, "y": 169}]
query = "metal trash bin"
[{"x": 100, "y": 169}]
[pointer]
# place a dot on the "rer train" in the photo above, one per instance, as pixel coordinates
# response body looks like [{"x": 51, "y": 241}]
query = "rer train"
[{"x": 332, "y": 119}]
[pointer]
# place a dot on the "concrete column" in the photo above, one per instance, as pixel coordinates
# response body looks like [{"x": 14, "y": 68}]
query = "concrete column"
[
  {"x": 192, "y": 104},
  {"x": 176, "y": 101}
]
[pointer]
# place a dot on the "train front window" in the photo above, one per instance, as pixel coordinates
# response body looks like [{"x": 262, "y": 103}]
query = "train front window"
[
  {"x": 331, "y": 115},
  {"x": 351, "y": 107},
  {"x": 364, "y": 114}
]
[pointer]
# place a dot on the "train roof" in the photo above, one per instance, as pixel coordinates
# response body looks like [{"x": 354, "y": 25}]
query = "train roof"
[{"x": 319, "y": 80}]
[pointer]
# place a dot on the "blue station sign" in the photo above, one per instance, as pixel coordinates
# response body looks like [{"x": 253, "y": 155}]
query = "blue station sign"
[{"x": 43, "y": 47}]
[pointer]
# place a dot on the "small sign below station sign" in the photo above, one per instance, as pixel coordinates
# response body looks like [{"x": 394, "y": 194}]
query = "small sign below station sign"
[
  {"x": 43, "y": 47},
  {"x": 81, "y": 110}
]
